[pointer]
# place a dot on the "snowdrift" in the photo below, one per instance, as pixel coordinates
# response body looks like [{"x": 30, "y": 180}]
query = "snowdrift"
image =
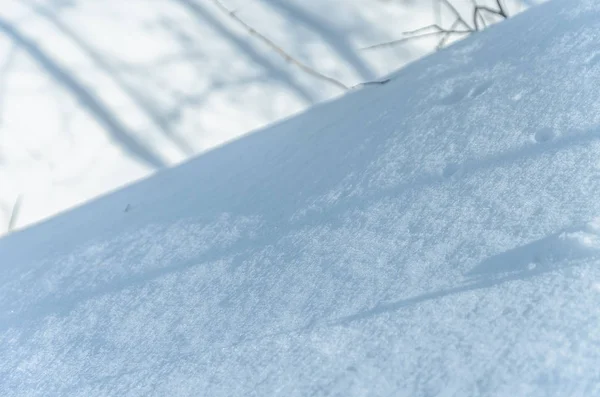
[{"x": 437, "y": 235}]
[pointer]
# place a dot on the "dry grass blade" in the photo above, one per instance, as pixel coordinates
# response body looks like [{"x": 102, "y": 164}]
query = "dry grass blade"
[{"x": 15, "y": 213}]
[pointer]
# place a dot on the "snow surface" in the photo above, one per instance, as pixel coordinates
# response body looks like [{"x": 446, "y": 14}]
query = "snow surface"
[
  {"x": 95, "y": 94},
  {"x": 434, "y": 236}
]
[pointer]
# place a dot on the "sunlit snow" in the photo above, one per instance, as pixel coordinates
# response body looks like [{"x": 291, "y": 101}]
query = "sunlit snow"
[{"x": 437, "y": 235}]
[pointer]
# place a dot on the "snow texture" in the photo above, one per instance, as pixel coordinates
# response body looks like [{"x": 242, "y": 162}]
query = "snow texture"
[
  {"x": 97, "y": 94},
  {"x": 434, "y": 236}
]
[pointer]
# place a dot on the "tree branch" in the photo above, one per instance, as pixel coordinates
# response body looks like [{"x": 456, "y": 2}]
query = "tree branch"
[
  {"x": 421, "y": 33},
  {"x": 458, "y": 16},
  {"x": 253, "y": 32},
  {"x": 501, "y": 9},
  {"x": 477, "y": 16},
  {"x": 490, "y": 10},
  {"x": 479, "y": 23},
  {"x": 447, "y": 35}
]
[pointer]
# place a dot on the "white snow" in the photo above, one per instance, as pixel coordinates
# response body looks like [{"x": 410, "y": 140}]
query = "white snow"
[
  {"x": 96, "y": 94},
  {"x": 434, "y": 236}
]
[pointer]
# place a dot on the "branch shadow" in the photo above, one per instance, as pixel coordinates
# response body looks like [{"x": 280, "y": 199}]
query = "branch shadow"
[
  {"x": 5, "y": 69},
  {"x": 151, "y": 112},
  {"x": 335, "y": 40},
  {"x": 94, "y": 105},
  {"x": 205, "y": 18},
  {"x": 267, "y": 182},
  {"x": 532, "y": 259},
  {"x": 63, "y": 305},
  {"x": 555, "y": 251}
]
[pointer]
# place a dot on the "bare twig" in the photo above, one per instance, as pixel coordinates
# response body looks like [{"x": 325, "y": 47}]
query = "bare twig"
[
  {"x": 501, "y": 9},
  {"x": 447, "y": 35},
  {"x": 14, "y": 213},
  {"x": 305, "y": 68},
  {"x": 374, "y": 82},
  {"x": 438, "y": 28},
  {"x": 458, "y": 16},
  {"x": 490, "y": 10},
  {"x": 477, "y": 16},
  {"x": 459, "y": 27},
  {"x": 421, "y": 33},
  {"x": 478, "y": 12},
  {"x": 405, "y": 39}
]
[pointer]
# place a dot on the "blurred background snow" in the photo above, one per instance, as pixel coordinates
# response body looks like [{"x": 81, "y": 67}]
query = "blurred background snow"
[{"x": 96, "y": 94}]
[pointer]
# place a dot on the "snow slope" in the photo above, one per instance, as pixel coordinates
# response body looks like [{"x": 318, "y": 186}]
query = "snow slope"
[
  {"x": 434, "y": 236},
  {"x": 95, "y": 94}
]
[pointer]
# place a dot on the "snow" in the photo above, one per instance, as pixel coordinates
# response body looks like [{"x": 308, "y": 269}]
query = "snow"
[
  {"x": 94, "y": 95},
  {"x": 437, "y": 235}
]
